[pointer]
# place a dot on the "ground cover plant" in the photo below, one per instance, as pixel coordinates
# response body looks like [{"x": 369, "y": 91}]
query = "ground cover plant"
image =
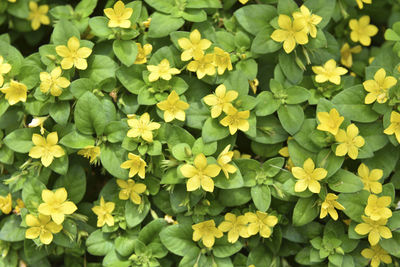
[{"x": 199, "y": 133}]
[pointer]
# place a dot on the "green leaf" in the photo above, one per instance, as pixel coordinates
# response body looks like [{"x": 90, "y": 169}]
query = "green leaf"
[
  {"x": 384, "y": 159},
  {"x": 60, "y": 112},
  {"x": 74, "y": 182},
  {"x": 150, "y": 232},
  {"x": 203, "y": 4},
  {"x": 89, "y": 114},
  {"x": 222, "y": 248},
  {"x": 322, "y": 8},
  {"x": 235, "y": 179},
  {"x": 269, "y": 131},
  {"x": 133, "y": 215},
  {"x": 292, "y": 71},
  {"x": 99, "y": 26},
  {"x": 98, "y": 243},
  {"x": 112, "y": 156},
  {"x": 99, "y": 68},
  {"x": 329, "y": 161},
  {"x": 261, "y": 195},
  {"x": 131, "y": 78},
  {"x": 76, "y": 140},
  {"x": 263, "y": 44},
  {"x": 178, "y": 239},
  {"x": 297, "y": 95},
  {"x": 267, "y": 104},
  {"x": 255, "y": 18},
  {"x": 305, "y": 211},
  {"x": 20, "y": 140},
  {"x": 287, "y": 7},
  {"x": 85, "y": 7},
  {"x": 64, "y": 30},
  {"x": 354, "y": 204},
  {"x": 126, "y": 51},
  {"x": 60, "y": 165},
  {"x": 291, "y": 118},
  {"x": 234, "y": 197},
  {"x": 213, "y": 131},
  {"x": 162, "y": 25},
  {"x": 345, "y": 182},
  {"x": 10, "y": 229}
]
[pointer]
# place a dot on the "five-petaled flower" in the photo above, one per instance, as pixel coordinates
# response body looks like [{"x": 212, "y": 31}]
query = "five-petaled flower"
[
  {"x": 377, "y": 255},
  {"x": 329, "y": 122},
  {"x": 103, "y": 212},
  {"x": 15, "y": 92},
  {"x": 235, "y": 226},
  {"x": 360, "y": 4},
  {"x": 142, "y": 127},
  {"x": 346, "y": 54},
  {"x": 378, "y": 87},
  {"x": 194, "y": 46},
  {"x": 207, "y": 232},
  {"x": 370, "y": 178},
  {"x": 260, "y": 222},
  {"x": 222, "y": 60},
  {"x": 4, "y": 69},
  {"x": 143, "y": 52},
  {"x": 329, "y": 72},
  {"x": 42, "y": 227},
  {"x": 38, "y": 15},
  {"x": 90, "y": 152},
  {"x": 6, "y": 204},
  {"x": 135, "y": 164},
  {"x": 56, "y": 205},
  {"x": 131, "y": 190},
  {"x": 308, "y": 177},
  {"x": 200, "y": 174},
  {"x": 349, "y": 141},
  {"x": 173, "y": 107},
  {"x": 162, "y": 70},
  {"x": 362, "y": 31},
  {"x": 394, "y": 127},
  {"x": 330, "y": 205},
  {"x": 73, "y": 54},
  {"x": 119, "y": 15},
  {"x": 311, "y": 20},
  {"x": 220, "y": 100},
  {"x": 377, "y": 207},
  {"x": 374, "y": 229},
  {"x": 53, "y": 82},
  {"x": 203, "y": 66},
  {"x": 235, "y": 120},
  {"x": 223, "y": 161},
  {"x": 46, "y": 148}
]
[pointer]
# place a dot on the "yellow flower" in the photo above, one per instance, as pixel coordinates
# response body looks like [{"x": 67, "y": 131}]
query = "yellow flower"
[
  {"x": 15, "y": 92},
  {"x": 290, "y": 32},
  {"x": 38, "y": 15},
  {"x": 308, "y": 177},
  {"x": 310, "y": 19},
  {"x": 376, "y": 254},
  {"x": 328, "y": 72},
  {"x": 235, "y": 226},
  {"x": 360, "y": 4},
  {"x": 135, "y": 164},
  {"x": 143, "y": 52},
  {"x": 329, "y": 122},
  {"x": 253, "y": 85},
  {"x": 370, "y": 179},
  {"x": 173, "y": 107},
  {"x": 46, "y": 148},
  {"x": 162, "y": 70},
  {"x": 200, "y": 174},
  {"x": 377, "y": 207},
  {"x": 378, "y": 87},
  {"x": 194, "y": 46},
  {"x": 260, "y": 222},
  {"x": 349, "y": 142},
  {"x": 6, "y": 204},
  {"x": 346, "y": 54},
  {"x": 130, "y": 189},
  {"x": 53, "y": 82},
  {"x": 243, "y": 1},
  {"x": 284, "y": 151},
  {"x": 38, "y": 121},
  {"x": 374, "y": 229},
  {"x": 55, "y": 205},
  {"x": 329, "y": 206},
  {"x": 73, "y": 54},
  {"x": 238, "y": 155},
  {"x": 394, "y": 127},
  {"x": 222, "y": 60},
  {"x": 202, "y": 66},
  {"x": 207, "y": 232},
  {"x": 103, "y": 212},
  {"x": 90, "y": 152},
  {"x": 362, "y": 31},
  {"x": 41, "y": 227},
  {"x": 220, "y": 100},
  {"x": 4, "y": 68},
  {"x": 223, "y": 161},
  {"x": 146, "y": 23},
  {"x": 236, "y": 120},
  {"x": 142, "y": 127},
  {"x": 119, "y": 16},
  {"x": 20, "y": 205}
]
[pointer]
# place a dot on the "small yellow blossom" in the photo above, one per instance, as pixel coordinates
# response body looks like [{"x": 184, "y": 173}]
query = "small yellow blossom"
[
  {"x": 223, "y": 161},
  {"x": 236, "y": 120},
  {"x": 202, "y": 66},
  {"x": 20, "y": 205},
  {"x": 243, "y": 2},
  {"x": 55, "y": 204},
  {"x": 394, "y": 127},
  {"x": 329, "y": 122},
  {"x": 222, "y": 60},
  {"x": 253, "y": 85},
  {"x": 142, "y": 127},
  {"x": 328, "y": 72},
  {"x": 119, "y": 16},
  {"x": 360, "y": 4},
  {"x": 169, "y": 219},
  {"x": 53, "y": 82},
  {"x": 173, "y": 107},
  {"x": 207, "y": 232},
  {"x": 4, "y": 69},
  {"x": 46, "y": 148},
  {"x": 162, "y": 70},
  {"x": 6, "y": 204},
  {"x": 370, "y": 178},
  {"x": 131, "y": 190},
  {"x": 284, "y": 151},
  {"x": 200, "y": 174},
  {"x": 362, "y": 31},
  {"x": 378, "y": 88},
  {"x": 135, "y": 164},
  {"x": 346, "y": 54},
  {"x": 349, "y": 141},
  {"x": 103, "y": 212},
  {"x": 73, "y": 54},
  {"x": 90, "y": 152},
  {"x": 194, "y": 46},
  {"x": 38, "y": 121},
  {"x": 143, "y": 52},
  {"x": 38, "y": 15},
  {"x": 311, "y": 20},
  {"x": 308, "y": 177},
  {"x": 220, "y": 100},
  {"x": 41, "y": 227},
  {"x": 146, "y": 23},
  {"x": 330, "y": 205},
  {"x": 238, "y": 155},
  {"x": 377, "y": 207},
  {"x": 260, "y": 222},
  {"x": 15, "y": 92},
  {"x": 235, "y": 226},
  {"x": 376, "y": 253},
  {"x": 374, "y": 229},
  {"x": 290, "y": 33}
]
